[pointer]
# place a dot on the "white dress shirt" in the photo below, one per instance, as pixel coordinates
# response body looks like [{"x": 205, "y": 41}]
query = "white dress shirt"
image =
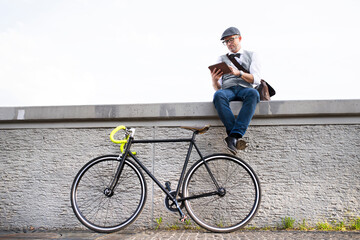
[{"x": 255, "y": 66}]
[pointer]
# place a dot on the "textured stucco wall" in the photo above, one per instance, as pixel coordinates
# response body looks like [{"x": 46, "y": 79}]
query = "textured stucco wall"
[{"x": 307, "y": 171}]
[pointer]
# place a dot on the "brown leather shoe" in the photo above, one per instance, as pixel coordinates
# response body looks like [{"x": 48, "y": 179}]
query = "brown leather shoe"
[
  {"x": 230, "y": 144},
  {"x": 241, "y": 144}
]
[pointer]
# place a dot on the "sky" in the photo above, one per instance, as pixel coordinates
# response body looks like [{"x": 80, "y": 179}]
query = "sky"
[{"x": 87, "y": 52}]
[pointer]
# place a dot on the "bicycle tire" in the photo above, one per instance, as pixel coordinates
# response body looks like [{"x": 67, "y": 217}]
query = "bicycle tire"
[
  {"x": 108, "y": 214},
  {"x": 222, "y": 213}
]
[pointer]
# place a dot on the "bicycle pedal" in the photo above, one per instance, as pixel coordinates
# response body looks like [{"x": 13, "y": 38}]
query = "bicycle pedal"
[
  {"x": 183, "y": 218},
  {"x": 168, "y": 186}
]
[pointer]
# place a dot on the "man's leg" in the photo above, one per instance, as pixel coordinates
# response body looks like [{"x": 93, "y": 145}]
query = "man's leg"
[
  {"x": 250, "y": 98},
  {"x": 221, "y": 102}
]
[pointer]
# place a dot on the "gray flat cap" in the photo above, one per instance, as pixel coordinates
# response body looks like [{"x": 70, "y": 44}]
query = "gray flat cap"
[{"x": 229, "y": 32}]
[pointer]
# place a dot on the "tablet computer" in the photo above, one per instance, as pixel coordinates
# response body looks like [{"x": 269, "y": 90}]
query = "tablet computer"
[{"x": 223, "y": 66}]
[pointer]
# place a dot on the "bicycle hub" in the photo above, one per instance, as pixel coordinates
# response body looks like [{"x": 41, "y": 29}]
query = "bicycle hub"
[
  {"x": 108, "y": 192},
  {"x": 221, "y": 191}
]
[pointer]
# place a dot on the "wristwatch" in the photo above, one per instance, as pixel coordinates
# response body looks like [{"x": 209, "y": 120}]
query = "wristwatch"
[{"x": 241, "y": 73}]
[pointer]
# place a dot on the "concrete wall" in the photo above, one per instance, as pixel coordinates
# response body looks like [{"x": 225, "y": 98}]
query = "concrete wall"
[{"x": 306, "y": 154}]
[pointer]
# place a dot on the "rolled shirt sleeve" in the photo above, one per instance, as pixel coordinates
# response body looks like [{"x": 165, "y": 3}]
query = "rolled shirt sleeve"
[{"x": 255, "y": 68}]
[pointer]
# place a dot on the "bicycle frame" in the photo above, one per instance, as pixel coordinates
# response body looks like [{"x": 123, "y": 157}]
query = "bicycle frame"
[{"x": 192, "y": 144}]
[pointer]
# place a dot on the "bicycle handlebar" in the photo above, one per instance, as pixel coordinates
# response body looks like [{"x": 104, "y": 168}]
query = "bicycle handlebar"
[{"x": 122, "y": 142}]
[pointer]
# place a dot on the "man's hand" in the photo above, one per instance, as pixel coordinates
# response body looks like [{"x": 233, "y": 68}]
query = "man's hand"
[
  {"x": 234, "y": 71},
  {"x": 245, "y": 76},
  {"x": 216, "y": 75}
]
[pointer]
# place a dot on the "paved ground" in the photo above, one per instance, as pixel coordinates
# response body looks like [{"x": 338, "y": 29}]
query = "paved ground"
[{"x": 180, "y": 234}]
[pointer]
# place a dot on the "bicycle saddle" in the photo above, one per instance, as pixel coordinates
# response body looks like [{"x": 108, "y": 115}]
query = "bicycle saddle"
[{"x": 199, "y": 130}]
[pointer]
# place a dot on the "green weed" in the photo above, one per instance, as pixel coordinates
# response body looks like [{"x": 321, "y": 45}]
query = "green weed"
[
  {"x": 173, "y": 227},
  {"x": 355, "y": 224},
  {"x": 340, "y": 226},
  {"x": 220, "y": 224},
  {"x": 158, "y": 222},
  {"x": 304, "y": 226},
  {"x": 187, "y": 223},
  {"x": 288, "y": 223},
  {"x": 324, "y": 226}
]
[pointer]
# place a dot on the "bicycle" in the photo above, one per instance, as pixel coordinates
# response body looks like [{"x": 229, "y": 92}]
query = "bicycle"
[{"x": 220, "y": 192}]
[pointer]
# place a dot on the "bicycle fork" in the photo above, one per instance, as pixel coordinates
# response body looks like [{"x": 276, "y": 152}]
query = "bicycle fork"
[{"x": 109, "y": 191}]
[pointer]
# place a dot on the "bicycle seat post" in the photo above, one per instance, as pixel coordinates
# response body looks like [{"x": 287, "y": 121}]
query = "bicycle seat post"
[{"x": 194, "y": 135}]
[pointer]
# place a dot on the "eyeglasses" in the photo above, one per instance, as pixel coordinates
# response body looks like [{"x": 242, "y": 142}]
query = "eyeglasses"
[{"x": 230, "y": 40}]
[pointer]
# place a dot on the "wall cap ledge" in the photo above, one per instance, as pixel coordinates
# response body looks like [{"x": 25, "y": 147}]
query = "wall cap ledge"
[{"x": 178, "y": 111}]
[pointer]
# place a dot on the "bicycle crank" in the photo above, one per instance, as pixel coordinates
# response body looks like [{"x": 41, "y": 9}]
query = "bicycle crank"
[{"x": 170, "y": 205}]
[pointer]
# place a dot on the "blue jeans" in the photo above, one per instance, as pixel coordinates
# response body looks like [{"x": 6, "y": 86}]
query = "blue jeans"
[{"x": 222, "y": 98}]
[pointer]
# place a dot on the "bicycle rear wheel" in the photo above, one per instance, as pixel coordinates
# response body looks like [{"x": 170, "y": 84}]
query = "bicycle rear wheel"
[
  {"x": 104, "y": 213},
  {"x": 233, "y": 204}
]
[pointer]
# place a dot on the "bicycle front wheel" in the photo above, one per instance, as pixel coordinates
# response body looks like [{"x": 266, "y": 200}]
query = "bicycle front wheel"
[
  {"x": 104, "y": 212},
  {"x": 228, "y": 206}
]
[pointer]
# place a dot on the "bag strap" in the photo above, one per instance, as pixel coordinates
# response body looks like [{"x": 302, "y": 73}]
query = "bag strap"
[{"x": 238, "y": 65}]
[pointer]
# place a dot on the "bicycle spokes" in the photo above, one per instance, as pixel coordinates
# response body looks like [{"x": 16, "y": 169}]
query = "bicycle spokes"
[{"x": 229, "y": 207}]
